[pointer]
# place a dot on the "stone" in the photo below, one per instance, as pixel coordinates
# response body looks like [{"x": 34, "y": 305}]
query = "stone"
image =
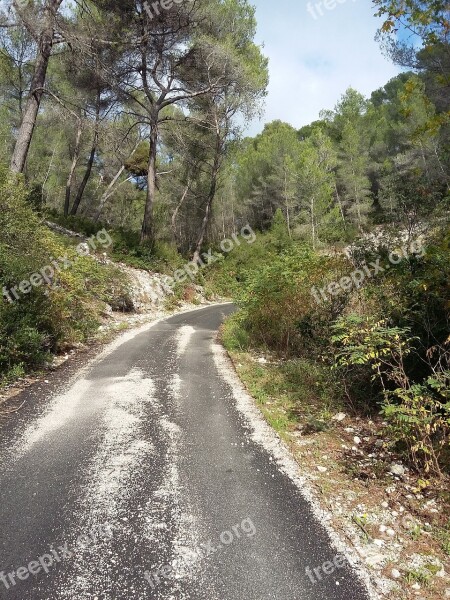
[
  {"x": 396, "y": 573},
  {"x": 322, "y": 469},
  {"x": 339, "y": 417},
  {"x": 357, "y": 440},
  {"x": 375, "y": 559},
  {"x": 397, "y": 469},
  {"x": 390, "y": 532}
]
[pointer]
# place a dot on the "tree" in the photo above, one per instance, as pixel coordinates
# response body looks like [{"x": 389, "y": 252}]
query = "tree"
[
  {"x": 348, "y": 128},
  {"x": 40, "y": 19},
  {"x": 183, "y": 53},
  {"x": 317, "y": 182}
]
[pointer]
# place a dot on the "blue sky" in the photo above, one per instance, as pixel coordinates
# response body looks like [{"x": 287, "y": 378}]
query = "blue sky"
[{"x": 313, "y": 61}]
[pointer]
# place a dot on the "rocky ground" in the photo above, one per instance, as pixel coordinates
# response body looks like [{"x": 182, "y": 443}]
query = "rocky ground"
[{"x": 397, "y": 521}]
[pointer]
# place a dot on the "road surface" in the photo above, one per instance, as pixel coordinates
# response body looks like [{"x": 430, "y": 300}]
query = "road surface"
[{"x": 140, "y": 478}]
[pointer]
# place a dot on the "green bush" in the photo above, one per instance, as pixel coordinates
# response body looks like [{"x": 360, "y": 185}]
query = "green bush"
[
  {"x": 279, "y": 308},
  {"x": 49, "y": 317}
]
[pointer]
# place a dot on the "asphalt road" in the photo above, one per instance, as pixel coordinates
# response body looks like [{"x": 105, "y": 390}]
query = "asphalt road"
[{"x": 139, "y": 478}]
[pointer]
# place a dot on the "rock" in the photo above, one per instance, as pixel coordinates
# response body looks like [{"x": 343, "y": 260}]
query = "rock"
[
  {"x": 107, "y": 311},
  {"x": 390, "y": 532},
  {"x": 397, "y": 469},
  {"x": 415, "y": 586},
  {"x": 339, "y": 417},
  {"x": 378, "y": 543},
  {"x": 375, "y": 559},
  {"x": 447, "y": 593},
  {"x": 322, "y": 469},
  {"x": 382, "y": 528},
  {"x": 385, "y": 505},
  {"x": 396, "y": 573},
  {"x": 349, "y": 430},
  {"x": 379, "y": 443},
  {"x": 357, "y": 440},
  {"x": 262, "y": 360}
]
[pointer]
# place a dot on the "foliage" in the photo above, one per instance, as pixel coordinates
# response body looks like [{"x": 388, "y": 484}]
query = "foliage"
[
  {"x": 50, "y": 317},
  {"x": 418, "y": 413},
  {"x": 280, "y": 311}
]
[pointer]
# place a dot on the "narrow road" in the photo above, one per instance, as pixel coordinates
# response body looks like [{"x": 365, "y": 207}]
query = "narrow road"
[{"x": 142, "y": 478}]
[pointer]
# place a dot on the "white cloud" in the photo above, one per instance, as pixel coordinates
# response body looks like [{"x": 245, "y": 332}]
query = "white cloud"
[{"x": 313, "y": 62}]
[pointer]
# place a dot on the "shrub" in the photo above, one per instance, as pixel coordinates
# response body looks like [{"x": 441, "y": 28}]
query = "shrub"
[
  {"x": 53, "y": 316},
  {"x": 280, "y": 310}
]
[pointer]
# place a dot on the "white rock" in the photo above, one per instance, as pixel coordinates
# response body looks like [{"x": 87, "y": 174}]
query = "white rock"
[
  {"x": 262, "y": 360},
  {"x": 375, "y": 559},
  {"x": 396, "y": 573},
  {"x": 390, "y": 532},
  {"x": 378, "y": 543},
  {"x": 415, "y": 586},
  {"x": 397, "y": 469},
  {"x": 322, "y": 469},
  {"x": 357, "y": 440},
  {"x": 385, "y": 505},
  {"x": 339, "y": 416}
]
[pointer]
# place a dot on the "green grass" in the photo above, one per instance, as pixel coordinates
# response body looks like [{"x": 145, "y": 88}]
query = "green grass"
[{"x": 288, "y": 392}]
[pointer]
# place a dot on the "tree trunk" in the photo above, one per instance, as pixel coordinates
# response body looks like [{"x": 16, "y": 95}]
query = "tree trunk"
[
  {"x": 176, "y": 211},
  {"x": 286, "y": 196},
  {"x": 76, "y": 156},
  {"x": 86, "y": 177},
  {"x": 109, "y": 190},
  {"x": 147, "y": 232},
  {"x": 313, "y": 223},
  {"x": 340, "y": 205},
  {"x": 208, "y": 210},
  {"x": 44, "y": 51}
]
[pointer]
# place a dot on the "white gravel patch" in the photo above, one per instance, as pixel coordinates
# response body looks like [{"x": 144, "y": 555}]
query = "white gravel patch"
[
  {"x": 170, "y": 503},
  {"x": 262, "y": 434},
  {"x": 183, "y": 338},
  {"x": 109, "y": 478},
  {"x": 175, "y": 386},
  {"x": 60, "y": 412}
]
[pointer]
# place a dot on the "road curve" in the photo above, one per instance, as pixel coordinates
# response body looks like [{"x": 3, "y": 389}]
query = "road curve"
[{"x": 140, "y": 478}]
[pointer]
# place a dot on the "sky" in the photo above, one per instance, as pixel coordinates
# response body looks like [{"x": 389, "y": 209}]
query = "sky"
[{"x": 314, "y": 60}]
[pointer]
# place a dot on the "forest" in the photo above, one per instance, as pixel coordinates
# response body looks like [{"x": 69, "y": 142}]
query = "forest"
[{"x": 124, "y": 118}]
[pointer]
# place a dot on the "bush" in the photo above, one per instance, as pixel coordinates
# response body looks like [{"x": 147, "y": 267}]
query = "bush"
[
  {"x": 279, "y": 308},
  {"x": 418, "y": 412},
  {"x": 49, "y": 317}
]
